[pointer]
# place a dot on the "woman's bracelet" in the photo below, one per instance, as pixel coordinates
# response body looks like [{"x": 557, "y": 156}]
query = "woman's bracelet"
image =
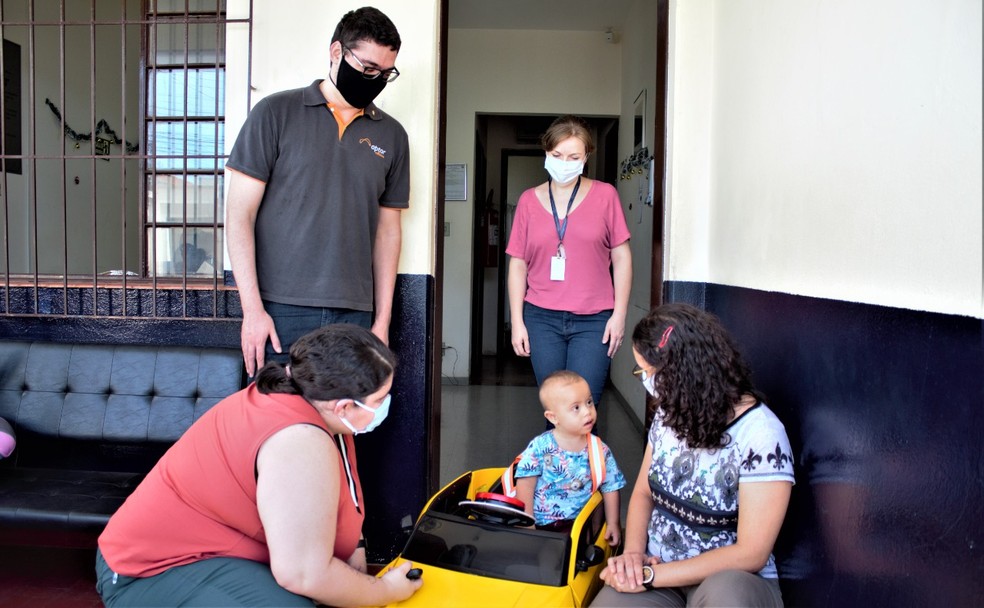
[{"x": 361, "y": 544}]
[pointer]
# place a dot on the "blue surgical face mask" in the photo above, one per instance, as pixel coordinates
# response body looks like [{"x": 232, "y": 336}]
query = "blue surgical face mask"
[{"x": 378, "y": 415}]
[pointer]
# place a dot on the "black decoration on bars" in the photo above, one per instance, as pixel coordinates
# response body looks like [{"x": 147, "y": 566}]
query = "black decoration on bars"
[{"x": 102, "y": 128}]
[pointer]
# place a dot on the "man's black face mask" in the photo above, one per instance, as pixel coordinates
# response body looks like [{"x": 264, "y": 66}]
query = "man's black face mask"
[{"x": 357, "y": 90}]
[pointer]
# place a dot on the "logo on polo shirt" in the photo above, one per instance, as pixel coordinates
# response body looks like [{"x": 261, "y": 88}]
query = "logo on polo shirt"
[{"x": 376, "y": 149}]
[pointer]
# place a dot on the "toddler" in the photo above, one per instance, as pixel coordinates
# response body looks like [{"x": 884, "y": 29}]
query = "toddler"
[{"x": 560, "y": 469}]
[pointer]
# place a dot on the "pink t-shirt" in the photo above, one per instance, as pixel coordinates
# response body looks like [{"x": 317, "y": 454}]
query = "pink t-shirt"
[{"x": 595, "y": 227}]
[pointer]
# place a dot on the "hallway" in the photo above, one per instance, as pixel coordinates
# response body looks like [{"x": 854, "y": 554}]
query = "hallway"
[{"x": 487, "y": 425}]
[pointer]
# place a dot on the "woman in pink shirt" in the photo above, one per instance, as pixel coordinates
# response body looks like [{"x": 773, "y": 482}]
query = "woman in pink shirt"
[{"x": 570, "y": 268}]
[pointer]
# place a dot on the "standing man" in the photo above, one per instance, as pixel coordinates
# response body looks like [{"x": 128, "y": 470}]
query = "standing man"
[{"x": 318, "y": 178}]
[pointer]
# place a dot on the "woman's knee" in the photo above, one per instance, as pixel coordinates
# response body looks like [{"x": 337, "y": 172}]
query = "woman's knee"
[
  {"x": 658, "y": 598},
  {"x": 736, "y": 588}
]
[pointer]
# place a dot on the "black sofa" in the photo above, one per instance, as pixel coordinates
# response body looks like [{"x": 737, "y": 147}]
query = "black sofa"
[{"x": 90, "y": 421}]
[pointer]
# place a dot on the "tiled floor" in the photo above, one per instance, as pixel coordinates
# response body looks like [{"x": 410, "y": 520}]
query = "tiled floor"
[
  {"x": 486, "y": 426},
  {"x": 481, "y": 426}
]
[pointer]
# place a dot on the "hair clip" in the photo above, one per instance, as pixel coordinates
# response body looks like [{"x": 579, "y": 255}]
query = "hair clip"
[{"x": 666, "y": 337}]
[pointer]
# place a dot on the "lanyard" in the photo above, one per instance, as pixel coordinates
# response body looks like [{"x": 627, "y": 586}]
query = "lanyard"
[
  {"x": 562, "y": 227},
  {"x": 348, "y": 470}
]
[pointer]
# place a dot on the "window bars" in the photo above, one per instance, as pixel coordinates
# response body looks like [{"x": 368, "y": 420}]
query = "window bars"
[{"x": 113, "y": 154}]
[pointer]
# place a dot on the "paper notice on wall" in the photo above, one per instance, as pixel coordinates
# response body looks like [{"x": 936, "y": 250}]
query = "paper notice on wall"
[{"x": 456, "y": 182}]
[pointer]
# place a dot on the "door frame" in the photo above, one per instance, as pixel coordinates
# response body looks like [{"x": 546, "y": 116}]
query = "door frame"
[{"x": 504, "y": 346}]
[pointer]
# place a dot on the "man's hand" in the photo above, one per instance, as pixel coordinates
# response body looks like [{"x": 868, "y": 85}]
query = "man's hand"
[
  {"x": 242, "y": 205},
  {"x": 381, "y": 331},
  {"x": 385, "y": 263},
  {"x": 257, "y": 329}
]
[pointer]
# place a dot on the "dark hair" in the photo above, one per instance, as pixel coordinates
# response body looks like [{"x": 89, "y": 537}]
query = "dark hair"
[
  {"x": 333, "y": 362},
  {"x": 368, "y": 24},
  {"x": 700, "y": 374},
  {"x": 568, "y": 126}
]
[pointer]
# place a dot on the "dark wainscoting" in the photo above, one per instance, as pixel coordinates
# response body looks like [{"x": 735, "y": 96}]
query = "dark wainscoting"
[
  {"x": 393, "y": 460},
  {"x": 137, "y": 301},
  {"x": 885, "y": 411},
  {"x": 222, "y": 333}
]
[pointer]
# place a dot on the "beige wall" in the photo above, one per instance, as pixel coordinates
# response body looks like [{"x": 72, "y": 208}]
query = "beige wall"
[
  {"x": 511, "y": 72},
  {"x": 290, "y": 50},
  {"x": 829, "y": 149}
]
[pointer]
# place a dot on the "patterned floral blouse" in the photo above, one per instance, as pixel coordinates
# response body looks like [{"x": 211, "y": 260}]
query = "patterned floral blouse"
[{"x": 696, "y": 491}]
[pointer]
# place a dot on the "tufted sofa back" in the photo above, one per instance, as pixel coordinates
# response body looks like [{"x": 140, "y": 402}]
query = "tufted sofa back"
[{"x": 107, "y": 407}]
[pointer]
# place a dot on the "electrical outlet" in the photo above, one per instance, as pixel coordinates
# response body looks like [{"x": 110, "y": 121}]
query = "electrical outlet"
[{"x": 447, "y": 232}]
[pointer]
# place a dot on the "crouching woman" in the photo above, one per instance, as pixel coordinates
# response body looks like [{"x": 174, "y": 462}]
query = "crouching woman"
[{"x": 259, "y": 502}]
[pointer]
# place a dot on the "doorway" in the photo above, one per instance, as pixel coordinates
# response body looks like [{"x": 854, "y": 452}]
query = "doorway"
[{"x": 510, "y": 160}]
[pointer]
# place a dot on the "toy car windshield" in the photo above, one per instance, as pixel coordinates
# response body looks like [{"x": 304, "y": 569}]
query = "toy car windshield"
[
  {"x": 449, "y": 536},
  {"x": 472, "y": 547},
  {"x": 455, "y": 542}
]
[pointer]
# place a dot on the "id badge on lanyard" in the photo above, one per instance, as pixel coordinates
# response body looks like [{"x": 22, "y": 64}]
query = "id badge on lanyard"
[{"x": 558, "y": 263}]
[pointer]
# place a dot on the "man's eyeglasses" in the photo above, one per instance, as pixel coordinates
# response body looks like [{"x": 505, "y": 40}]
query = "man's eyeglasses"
[{"x": 371, "y": 73}]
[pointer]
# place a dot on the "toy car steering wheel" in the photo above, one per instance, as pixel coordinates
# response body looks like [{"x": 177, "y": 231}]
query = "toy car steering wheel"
[{"x": 498, "y": 509}]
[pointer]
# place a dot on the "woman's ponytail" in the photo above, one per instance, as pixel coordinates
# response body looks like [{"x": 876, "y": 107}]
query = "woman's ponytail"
[
  {"x": 333, "y": 362},
  {"x": 274, "y": 377}
]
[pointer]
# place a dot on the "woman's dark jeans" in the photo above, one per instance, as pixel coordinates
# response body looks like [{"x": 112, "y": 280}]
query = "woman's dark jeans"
[
  {"x": 219, "y": 581},
  {"x": 564, "y": 340}
]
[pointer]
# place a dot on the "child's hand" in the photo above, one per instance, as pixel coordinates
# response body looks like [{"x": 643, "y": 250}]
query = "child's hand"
[{"x": 613, "y": 535}]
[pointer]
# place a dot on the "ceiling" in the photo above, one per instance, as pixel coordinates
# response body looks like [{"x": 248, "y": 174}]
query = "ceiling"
[{"x": 579, "y": 15}]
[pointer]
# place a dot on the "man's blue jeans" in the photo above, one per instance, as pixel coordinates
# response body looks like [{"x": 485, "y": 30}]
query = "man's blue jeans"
[
  {"x": 292, "y": 322},
  {"x": 564, "y": 340}
]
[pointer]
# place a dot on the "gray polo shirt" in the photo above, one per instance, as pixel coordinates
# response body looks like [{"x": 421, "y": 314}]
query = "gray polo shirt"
[{"x": 317, "y": 221}]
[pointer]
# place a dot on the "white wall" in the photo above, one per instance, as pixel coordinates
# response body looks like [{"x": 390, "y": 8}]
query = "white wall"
[
  {"x": 829, "y": 148},
  {"x": 290, "y": 50},
  {"x": 510, "y": 72},
  {"x": 638, "y": 38}
]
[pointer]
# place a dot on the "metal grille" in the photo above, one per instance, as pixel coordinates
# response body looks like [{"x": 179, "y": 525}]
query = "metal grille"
[{"x": 112, "y": 159}]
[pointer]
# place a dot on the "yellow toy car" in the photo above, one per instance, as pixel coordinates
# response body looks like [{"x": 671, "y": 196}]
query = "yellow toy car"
[{"x": 472, "y": 549}]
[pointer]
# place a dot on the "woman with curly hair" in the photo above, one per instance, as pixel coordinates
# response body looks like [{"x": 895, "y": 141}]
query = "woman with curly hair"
[{"x": 713, "y": 446}]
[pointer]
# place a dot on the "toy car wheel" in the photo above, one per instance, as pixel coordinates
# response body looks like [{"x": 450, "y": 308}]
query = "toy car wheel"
[{"x": 498, "y": 509}]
